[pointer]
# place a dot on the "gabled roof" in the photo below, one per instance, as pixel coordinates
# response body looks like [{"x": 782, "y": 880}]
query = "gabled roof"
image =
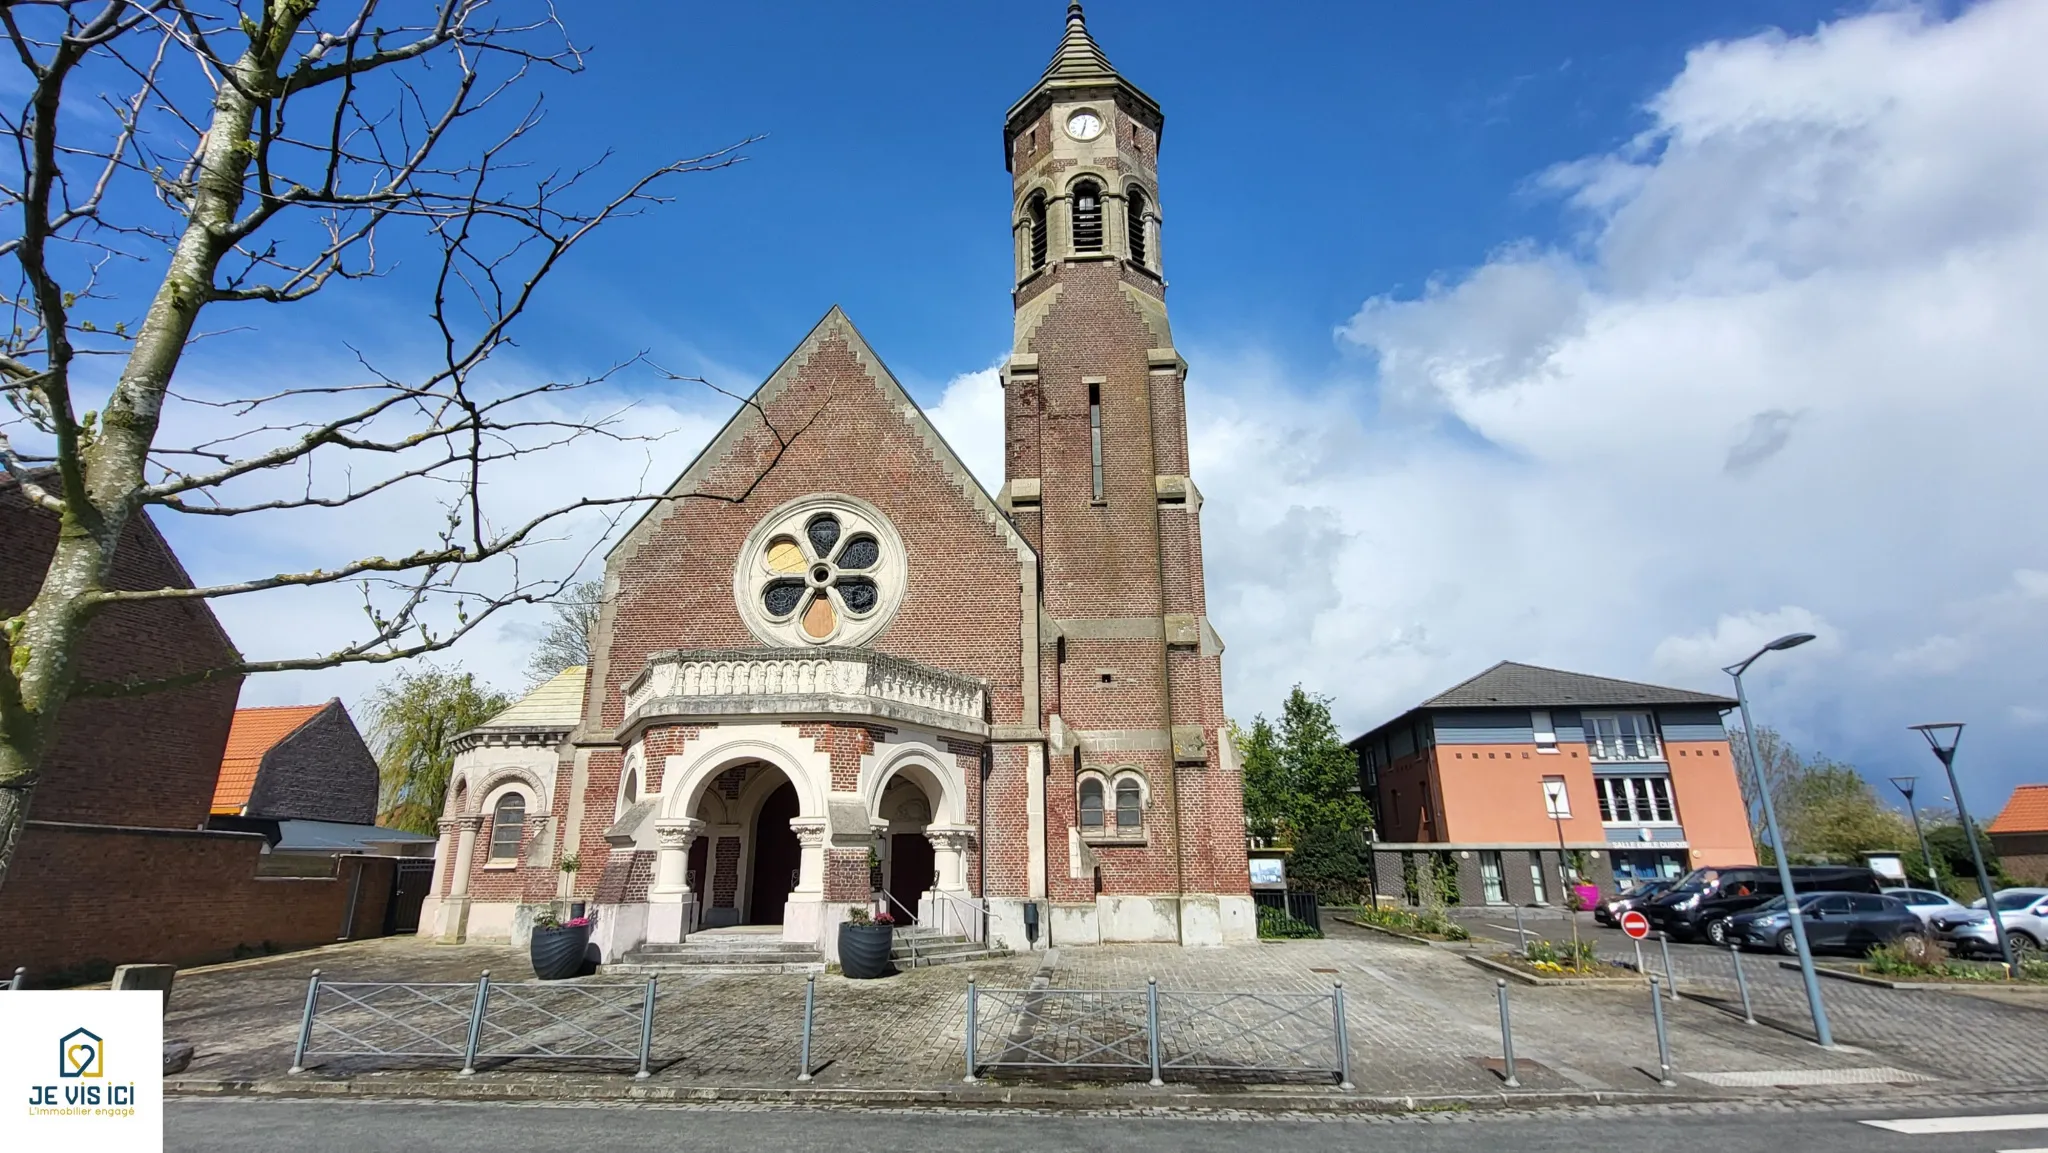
[
  {"x": 556, "y": 703},
  {"x": 2025, "y": 812},
  {"x": 1511, "y": 684},
  {"x": 254, "y": 733}
]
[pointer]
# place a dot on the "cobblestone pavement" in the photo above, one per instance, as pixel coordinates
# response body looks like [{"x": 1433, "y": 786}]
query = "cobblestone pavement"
[{"x": 1422, "y": 1021}]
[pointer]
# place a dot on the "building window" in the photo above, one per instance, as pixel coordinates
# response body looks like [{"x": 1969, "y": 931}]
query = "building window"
[
  {"x": 508, "y": 821},
  {"x": 1134, "y": 221},
  {"x": 1490, "y": 876},
  {"x": 1538, "y": 893},
  {"x": 1095, "y": 437},
  {"x": 1037, "y": 216},
  {"x": 821, "y": 570},
  {"x": 1546, "y": 732},
  {"x": 1635, "y": 800},
  {"x": 1130, "y": 806},
  {"x": 1622, "y": 737},
  {"x": 1087, "y": 217},
  {"x": 1091, "y": 803}
]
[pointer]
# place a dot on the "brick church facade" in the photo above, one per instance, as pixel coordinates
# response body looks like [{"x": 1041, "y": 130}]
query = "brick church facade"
[{"x": 833, "y": 666}]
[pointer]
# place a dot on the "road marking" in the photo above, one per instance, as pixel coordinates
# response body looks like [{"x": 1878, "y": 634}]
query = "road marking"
[{"x": 1924, "y": 1126}]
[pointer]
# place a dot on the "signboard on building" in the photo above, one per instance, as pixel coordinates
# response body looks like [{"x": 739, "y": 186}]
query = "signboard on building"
[{"x": 1269, "y": 873}]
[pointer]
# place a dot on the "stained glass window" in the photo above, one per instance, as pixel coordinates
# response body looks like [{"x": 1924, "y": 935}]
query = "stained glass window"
[
  {"x": 782, "y": 597},
  {"x": 1091, "y": 804},
  {"x": 1130, "y": 806},
  {"x": 861, "y": 552},
  {"x": 507, "y": 822},
  {"x": 824, "y": 533},
  {"x": 861, "y": 595}
]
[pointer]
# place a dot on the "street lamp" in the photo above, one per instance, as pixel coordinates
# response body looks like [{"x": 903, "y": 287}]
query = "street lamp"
[
  {"x": 1905, "y": 786},
  {"x": 1821, "y": 1032},
  {"x": 1942, "y": 739}
]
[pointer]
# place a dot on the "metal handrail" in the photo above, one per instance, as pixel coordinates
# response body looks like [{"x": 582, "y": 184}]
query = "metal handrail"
[
  {"x": 978, "y": 906},
  {"x": 888, "y": 899}
]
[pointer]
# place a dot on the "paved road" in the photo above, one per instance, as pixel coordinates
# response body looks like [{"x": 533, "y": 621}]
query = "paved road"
[{"x": 249, "y": 1125}]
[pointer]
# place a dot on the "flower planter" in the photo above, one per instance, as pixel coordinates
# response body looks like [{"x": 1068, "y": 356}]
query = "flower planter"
[
  {"x": 558, "y": 953},
  {"x": 864, "y": 950}
]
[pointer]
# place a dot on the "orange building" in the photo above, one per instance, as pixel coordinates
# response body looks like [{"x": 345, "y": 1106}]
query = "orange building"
[{"x": 1642, "y": 777}]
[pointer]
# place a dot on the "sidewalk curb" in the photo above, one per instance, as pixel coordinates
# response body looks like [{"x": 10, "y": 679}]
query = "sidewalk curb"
[{"x": 1135, "y": 1098}]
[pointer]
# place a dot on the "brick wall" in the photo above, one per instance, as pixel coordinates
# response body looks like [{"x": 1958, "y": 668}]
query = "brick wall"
[
  {"x": 321, "y": 772},
  {"x": 81, "y": 898},
  {"x": 101, "y": 768}
]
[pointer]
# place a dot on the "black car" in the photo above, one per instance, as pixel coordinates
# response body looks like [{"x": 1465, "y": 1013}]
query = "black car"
[
  {"x": 1609, "y": 912},
  {"x": 1835, "y": 923},
  {"x": 1699, "y": 905}
]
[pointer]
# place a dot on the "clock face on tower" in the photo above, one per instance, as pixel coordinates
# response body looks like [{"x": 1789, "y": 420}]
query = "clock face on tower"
[{"x": 1084, "y": 125}]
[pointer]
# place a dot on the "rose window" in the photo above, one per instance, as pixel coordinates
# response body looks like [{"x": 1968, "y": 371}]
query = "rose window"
[{"x": 824, "y": 570}]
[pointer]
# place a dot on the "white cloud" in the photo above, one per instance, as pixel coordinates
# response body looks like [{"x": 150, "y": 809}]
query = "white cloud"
[
  {"x": 1792, "y": 359},
  {"x": 970, "y": 416}
]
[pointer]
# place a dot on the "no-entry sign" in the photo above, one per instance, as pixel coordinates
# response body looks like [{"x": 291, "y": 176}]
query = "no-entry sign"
[{"x": 1635, "y": 924}]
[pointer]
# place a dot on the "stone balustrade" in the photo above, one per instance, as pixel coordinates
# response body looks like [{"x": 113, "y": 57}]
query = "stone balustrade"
[{"x": 702, "y": 684}]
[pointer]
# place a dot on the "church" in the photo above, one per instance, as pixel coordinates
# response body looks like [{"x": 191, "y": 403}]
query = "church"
[{"x": 832, "y": 671}]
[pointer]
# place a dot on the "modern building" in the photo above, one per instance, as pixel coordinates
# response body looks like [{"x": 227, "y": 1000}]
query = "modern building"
[
  {"x": 2020, "y": 835},
  {"x": 1496, "y": 775},
  {"x": 833, "y": 666}
]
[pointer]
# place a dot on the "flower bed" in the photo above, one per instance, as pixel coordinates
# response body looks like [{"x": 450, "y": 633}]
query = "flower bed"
[
  {"x": 1410, "y": 922},
  {"x": 1892, "y": 963}
]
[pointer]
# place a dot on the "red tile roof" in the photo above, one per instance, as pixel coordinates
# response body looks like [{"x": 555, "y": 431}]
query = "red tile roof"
[
  {"x": 254, "y": 733},
  {"x": 2026, "y": 812}
]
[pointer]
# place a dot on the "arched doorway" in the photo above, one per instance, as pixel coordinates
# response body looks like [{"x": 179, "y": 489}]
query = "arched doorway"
[
  {"x": 777, "y": 857},
  {"x": 911, "y": 866}
]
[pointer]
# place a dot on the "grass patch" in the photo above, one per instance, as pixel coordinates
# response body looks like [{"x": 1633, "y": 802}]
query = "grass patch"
[{"x": 1434, "y": 926}]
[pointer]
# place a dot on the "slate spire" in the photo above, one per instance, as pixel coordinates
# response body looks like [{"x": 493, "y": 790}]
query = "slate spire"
[{"x": 1078, "y": 56}]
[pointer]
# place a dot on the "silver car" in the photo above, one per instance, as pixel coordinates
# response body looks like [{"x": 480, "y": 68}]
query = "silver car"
[
  {"x": 2023, "y": 911},
  {"x": 1925, "y": 903}
]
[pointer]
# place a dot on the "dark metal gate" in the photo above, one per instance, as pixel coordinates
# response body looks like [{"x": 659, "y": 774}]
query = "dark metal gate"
[
  {"x": 1300, "y": 904},
  {"x": 409, "y": 884}
]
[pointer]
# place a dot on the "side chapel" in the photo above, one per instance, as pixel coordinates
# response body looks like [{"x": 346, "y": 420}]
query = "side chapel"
[{"x": 856, "y": 676}]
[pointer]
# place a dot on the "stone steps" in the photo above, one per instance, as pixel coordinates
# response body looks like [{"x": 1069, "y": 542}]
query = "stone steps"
[
  {"x": 934, "y": 948},
  {"x": 715, "y": 952}
]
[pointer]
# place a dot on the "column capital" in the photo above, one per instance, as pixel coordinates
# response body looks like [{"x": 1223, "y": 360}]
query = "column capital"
[
  {"x": 469, "y": 823},
  {"x": 957, "y": 838},
  {"x": 678, "y": 832},
  {"x": 810, "y": 831}
]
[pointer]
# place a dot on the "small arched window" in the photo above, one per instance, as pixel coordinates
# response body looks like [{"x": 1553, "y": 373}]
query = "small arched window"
[
  {"x": 629, "y": 792},
  {"x": 1087, "y": 217},
  {"x": 1130, "y": 805},
  {"x": 508, "y": 822},
  {"x": 1091, "y": 803},
  {"x": 1037, "y": 214},
  {"x": 1134, "y": 221}
]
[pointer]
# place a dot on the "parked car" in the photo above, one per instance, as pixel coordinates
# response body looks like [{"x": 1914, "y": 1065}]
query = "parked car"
[
  {"x": 1699, "y": 905},
  {"x": 1969, "y": 931},
  {"x": 1925, "y": 903},
  {"x": 1609, "y": 912},
  {"x": 1835, "y": 923}
]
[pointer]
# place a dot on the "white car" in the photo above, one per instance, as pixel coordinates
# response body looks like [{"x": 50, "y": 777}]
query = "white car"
[{"x": 1925, "y": 903}]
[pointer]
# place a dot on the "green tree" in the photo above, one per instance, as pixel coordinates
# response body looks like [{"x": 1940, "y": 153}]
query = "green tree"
[
  {"x": 1832, "y": 814},
  {"x": 1265, "y": 780},
  {"x": 414, "y": 719},
  {"x": 566, "y": 643},
  {"x": 1322, "y": 774}
]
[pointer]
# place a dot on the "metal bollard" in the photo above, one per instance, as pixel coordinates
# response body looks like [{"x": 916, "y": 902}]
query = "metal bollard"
[
  {"x": 305, "y": 1020},
  {"x": 20, "y": 978},
  {"x": 1343, "y": 1038},
  {"x": 1664, "y": 939},
  {"x": 1521, "y": 937},
  {"x": 646, "y": 1030},
  {"x": 1663, "y": 1041},
  {"x": 1152, "y": 1025},
  {"x": 971, "y": 1006},
  {"x": 1507, "y": 1035},
  {"x": 1742, "y": 984},
  {"x": 803, "y": 1058},
  {"x": 476, "y": 1024}
]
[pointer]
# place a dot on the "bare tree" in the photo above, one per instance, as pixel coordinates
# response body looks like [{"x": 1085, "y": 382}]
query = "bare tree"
[
  {"x": 211, "y": 158},
  {"x": 566, "y": 642}
]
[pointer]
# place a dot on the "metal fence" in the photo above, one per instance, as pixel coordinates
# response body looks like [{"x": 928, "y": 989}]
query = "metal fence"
[
  {"x": 1157, "y": 1032},
  {"x": 1300, "y": 904},
  {"x": 476, "y": 1021}
]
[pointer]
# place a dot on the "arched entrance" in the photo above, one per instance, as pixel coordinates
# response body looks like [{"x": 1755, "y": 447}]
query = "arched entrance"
[
  {"x": 910, "y": 867},
  {"x": 777, "y": 857}
]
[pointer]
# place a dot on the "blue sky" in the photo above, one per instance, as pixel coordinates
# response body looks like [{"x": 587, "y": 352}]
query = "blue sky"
[{"x": 1619, "y": 337}]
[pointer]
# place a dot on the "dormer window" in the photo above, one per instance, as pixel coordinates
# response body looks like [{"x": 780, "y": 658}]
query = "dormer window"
[
  {"x": 1087, "y": 217},
  {"x": 1134, "y": 222}
]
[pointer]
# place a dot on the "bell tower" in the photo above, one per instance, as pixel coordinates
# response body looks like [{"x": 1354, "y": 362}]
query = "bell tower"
[{"x": 1138, "y": 777}]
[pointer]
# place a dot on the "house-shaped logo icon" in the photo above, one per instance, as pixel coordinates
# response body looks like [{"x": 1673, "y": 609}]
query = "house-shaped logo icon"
[{"x": 81, "y": 1053}]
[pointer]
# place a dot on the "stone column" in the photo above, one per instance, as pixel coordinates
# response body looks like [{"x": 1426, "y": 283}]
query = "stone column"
[
  {"x": 810, "y": 836},
  {"x": 803, "y": 915},
  {"x": 671, "y": 905},
  {"x": 449, "y": 923},
  {"x": 465, "y": 854},
  {"x": 950, "y": 846}
]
